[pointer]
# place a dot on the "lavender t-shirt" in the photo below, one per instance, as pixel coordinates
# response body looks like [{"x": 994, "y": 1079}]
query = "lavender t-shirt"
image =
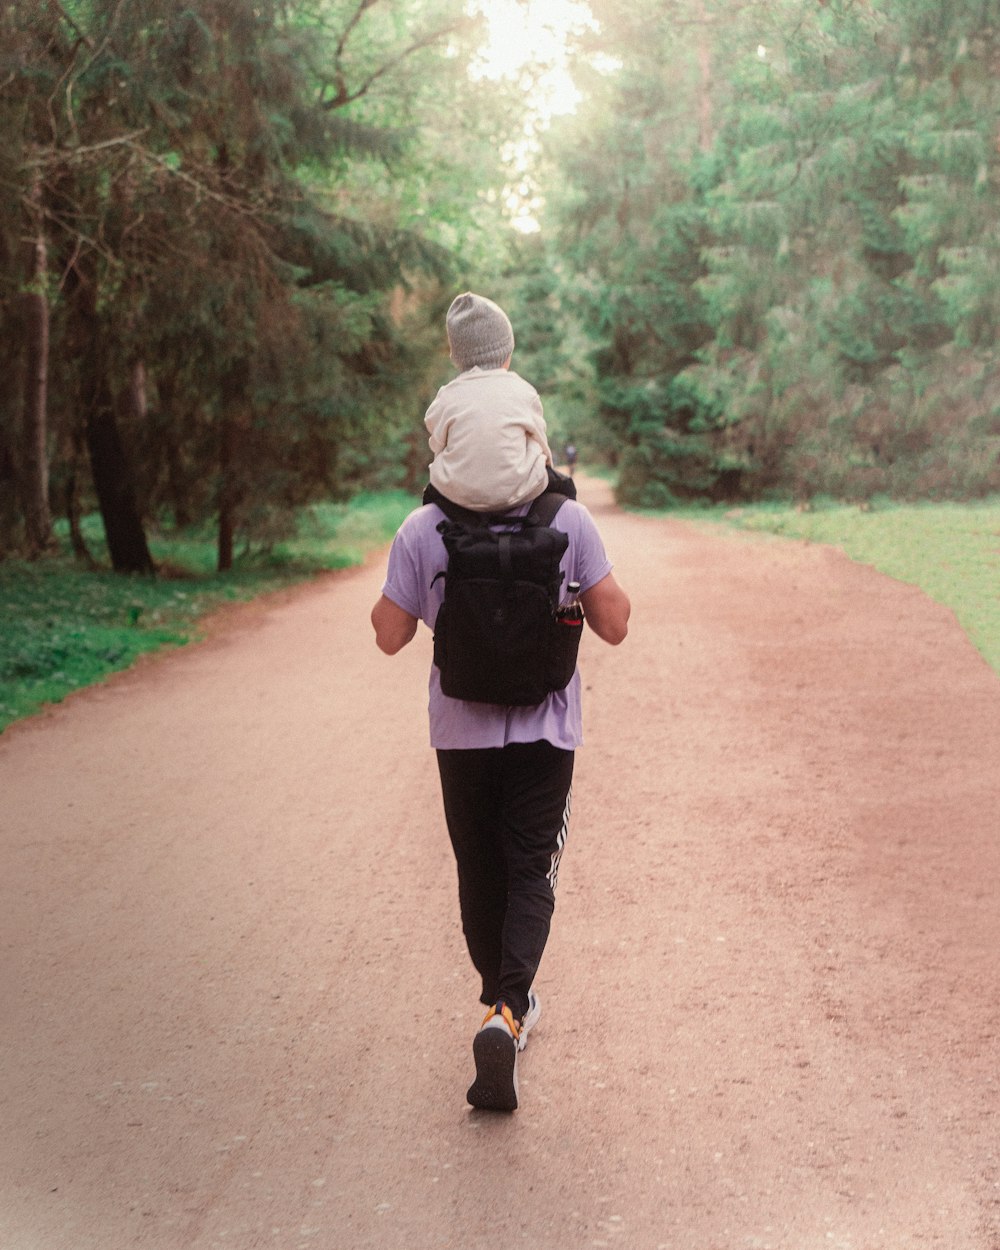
[{"x": 416, "y": 557}]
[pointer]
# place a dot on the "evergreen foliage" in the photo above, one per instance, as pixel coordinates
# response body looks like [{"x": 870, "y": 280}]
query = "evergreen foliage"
[
  {"x": 229, "y": 232},
  {"x": 230, "y": 201},
  {"x": 779, "y": 230}
]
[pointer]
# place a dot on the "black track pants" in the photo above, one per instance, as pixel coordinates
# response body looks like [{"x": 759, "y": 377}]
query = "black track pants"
[{"x": 507, "y": 811}]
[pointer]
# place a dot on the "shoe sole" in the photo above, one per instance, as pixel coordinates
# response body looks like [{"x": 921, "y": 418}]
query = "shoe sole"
[{"x": 495, "y": 1086}]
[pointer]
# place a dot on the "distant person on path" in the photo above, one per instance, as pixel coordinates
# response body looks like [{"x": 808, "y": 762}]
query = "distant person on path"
[
  {"x": 506, "y": 775},
  {"x": 486, "y": 426},
  {"x": 571, "y": 458}
]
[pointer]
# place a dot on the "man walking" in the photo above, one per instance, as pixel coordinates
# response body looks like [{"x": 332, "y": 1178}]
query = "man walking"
[{"x": 506, "y": 774}]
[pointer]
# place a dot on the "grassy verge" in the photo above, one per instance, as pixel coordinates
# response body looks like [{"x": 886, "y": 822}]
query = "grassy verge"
[
  {"x": 951, "y": 551},
  {"x": 63, "y": 627}
]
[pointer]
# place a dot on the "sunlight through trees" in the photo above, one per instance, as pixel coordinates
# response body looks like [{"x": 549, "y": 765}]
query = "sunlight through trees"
[{"x": 755, "y": 252}]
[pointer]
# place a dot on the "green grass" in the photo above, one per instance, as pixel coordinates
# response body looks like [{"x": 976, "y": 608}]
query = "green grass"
[
  {"x": 63, "y": 627},
  {"x": 951, "y": 551}
]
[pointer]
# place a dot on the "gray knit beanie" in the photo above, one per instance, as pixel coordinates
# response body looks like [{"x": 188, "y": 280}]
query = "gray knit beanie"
[{"x": 479, "y": 332}]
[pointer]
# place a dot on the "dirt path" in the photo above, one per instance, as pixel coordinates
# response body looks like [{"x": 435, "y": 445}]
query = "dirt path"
[{"x": 236, "y": 1006}]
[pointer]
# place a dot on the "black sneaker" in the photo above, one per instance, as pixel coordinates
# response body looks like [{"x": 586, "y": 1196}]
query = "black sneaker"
[{"x": 494, "y": 1049}]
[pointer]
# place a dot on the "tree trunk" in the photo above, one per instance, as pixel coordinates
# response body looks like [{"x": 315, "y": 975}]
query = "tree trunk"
[
  {"x": 34, "y": 455},
  {"x": 71, "y": 498},
  {"x": 109, "y": 466},
  {"x": 233, "y": 417},
  {"x": 227, "y": 494},
  {"x": 136, "y": 398},
  {"x": 170, "y": 426},
  {"x": 176, "y": 487},
  {"x": 10, "y": 516},
  {"x": 112, "y": 476}
]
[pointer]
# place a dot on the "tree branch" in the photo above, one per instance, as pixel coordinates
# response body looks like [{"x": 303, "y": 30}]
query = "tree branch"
[
  {"x": 346, "y": 96},
  {"x": 55, "y": 156},
  {"x": 340, "y": 80},
  {"x": 233, "y": 204},
  {"x": 362, "y": 9}
]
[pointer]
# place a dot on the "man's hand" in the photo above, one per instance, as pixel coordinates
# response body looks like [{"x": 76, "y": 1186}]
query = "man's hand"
[{"x": 393, "y": 627}]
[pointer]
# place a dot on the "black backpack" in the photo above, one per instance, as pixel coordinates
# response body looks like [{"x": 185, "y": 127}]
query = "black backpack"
[{"x": 497, "y": 638}]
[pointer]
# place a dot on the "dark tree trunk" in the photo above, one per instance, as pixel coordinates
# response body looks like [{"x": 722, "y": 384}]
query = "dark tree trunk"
[
  {"x": 112, "y": 476},
  {"x": 169, "y": 425},
  {"x": 233, "y": 417},
  {"x": 176, "y": 487},
  {"x": 71, "y": 498},
  {"x": 35, "y": 460},
  {"x": 34, "y": 453},
  {"x": 227, "y": 493},
  {"x": 9, "y": 514},
  {"x": 109, "y": 465},
  {"x": 136, "y": 401}
]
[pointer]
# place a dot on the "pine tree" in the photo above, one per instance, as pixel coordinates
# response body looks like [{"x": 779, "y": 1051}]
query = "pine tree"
[
  {"x": 234, "y": 196},
  {"x": 840, "y": 238}
]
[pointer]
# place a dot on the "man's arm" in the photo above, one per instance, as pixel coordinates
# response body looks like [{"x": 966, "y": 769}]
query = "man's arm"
[
  {"x": 394, "y": 627},
  {"x": 607, "y": 609}
]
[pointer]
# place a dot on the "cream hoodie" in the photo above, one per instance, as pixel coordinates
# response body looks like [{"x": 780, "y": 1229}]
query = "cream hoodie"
[{"x": 489, "y": 441}]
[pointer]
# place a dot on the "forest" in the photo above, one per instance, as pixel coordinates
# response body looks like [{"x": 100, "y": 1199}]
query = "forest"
[{"x": 757, "y": 260}]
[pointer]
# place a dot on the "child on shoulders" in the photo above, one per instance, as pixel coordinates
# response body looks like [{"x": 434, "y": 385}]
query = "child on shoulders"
[{"x": 486, "y": 427}]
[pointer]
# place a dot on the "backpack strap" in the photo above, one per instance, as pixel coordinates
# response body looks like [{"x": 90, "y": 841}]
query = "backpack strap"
[{"x": 545, "y": 507}]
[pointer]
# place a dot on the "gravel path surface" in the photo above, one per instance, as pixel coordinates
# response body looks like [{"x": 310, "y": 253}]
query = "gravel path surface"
[{"x": 237, "y": 1008}]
